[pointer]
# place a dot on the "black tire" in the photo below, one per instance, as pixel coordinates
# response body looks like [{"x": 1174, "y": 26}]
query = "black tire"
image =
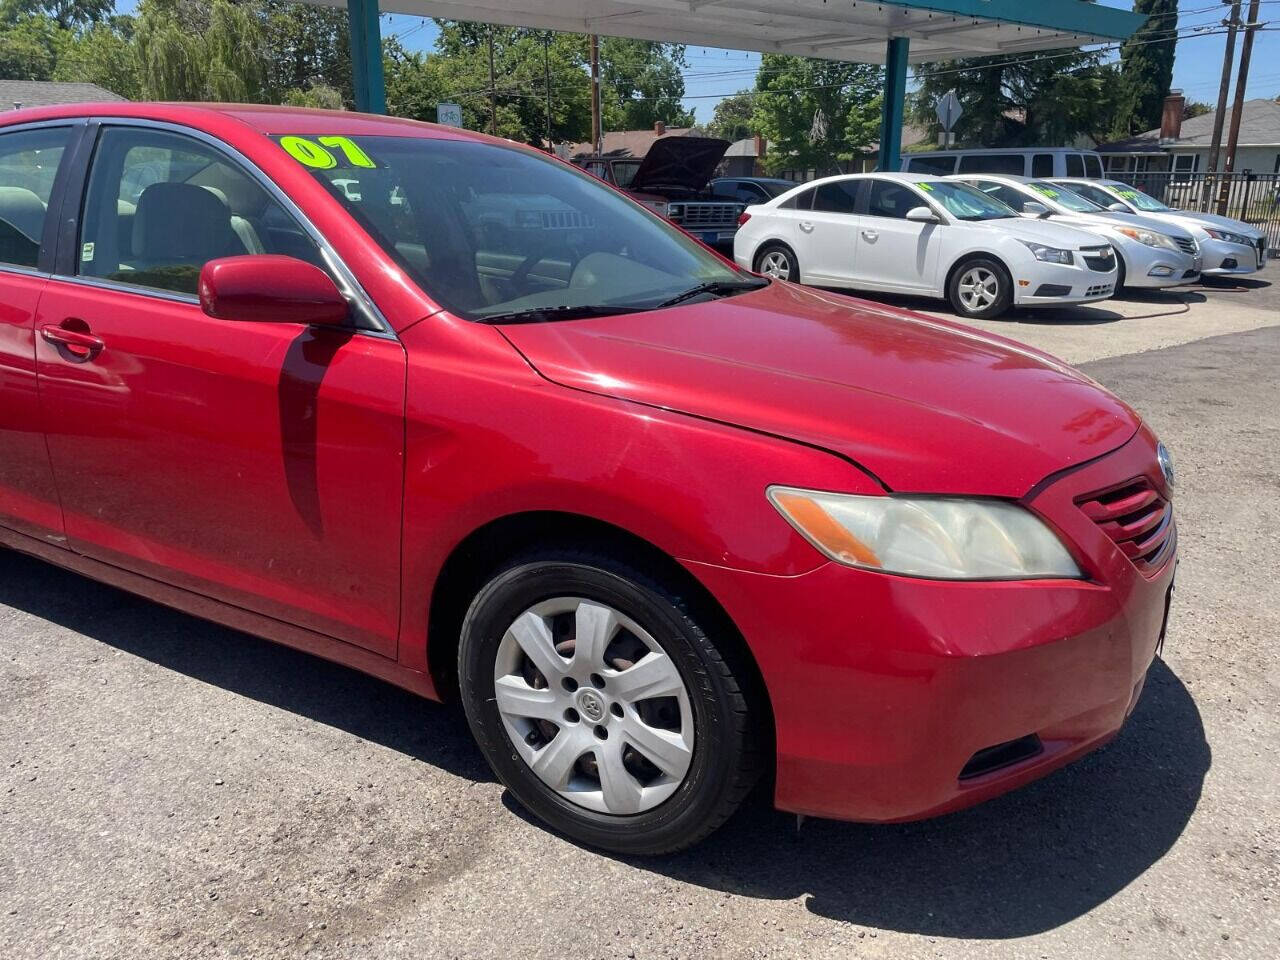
[
  {"x": 1121, "y": 273},
  {"x": 1000, "y": 302},
  {"x": 783, "y": 253},
  {"x": 725, "y": 762}
]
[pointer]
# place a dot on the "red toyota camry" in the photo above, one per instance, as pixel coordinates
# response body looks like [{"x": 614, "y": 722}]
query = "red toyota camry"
[{"x": 452, "y": 412}]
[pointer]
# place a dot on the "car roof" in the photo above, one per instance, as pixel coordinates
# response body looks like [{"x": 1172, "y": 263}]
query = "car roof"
[
  {"x": 262, "y": 118},
  {"x": 1006, "y": 177}
]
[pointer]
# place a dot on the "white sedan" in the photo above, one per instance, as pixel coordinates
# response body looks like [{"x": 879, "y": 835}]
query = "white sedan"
[{"x": 917, "y": 234}]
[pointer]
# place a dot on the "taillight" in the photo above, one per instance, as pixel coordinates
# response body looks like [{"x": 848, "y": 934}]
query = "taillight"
[{"x": 743, "y": 217}]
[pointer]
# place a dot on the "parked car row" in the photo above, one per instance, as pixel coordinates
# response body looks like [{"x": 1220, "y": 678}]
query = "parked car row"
[{"x": 987, "y": 242}]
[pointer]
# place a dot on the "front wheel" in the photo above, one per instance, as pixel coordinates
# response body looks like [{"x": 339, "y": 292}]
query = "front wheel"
[
  {"x": 980, "y": 288},
  {"x": 603, "y": 705}
]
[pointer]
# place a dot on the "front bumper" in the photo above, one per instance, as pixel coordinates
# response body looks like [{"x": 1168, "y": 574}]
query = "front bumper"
[
  {"x": 1221, "y": 259},
  {"x": 1155, "y": 267},
  {"x": 884, "y": 688},
  {"x": 1059, "y": 283}
]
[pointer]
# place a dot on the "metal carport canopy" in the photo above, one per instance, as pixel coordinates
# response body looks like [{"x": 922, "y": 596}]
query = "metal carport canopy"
[{"x": 893, "y": 33}]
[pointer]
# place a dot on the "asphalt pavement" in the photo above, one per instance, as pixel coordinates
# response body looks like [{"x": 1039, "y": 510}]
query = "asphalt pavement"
[{"x": 170, "y": 788}]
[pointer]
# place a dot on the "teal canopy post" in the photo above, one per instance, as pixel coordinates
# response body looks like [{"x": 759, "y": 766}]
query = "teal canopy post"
[
  {"x": 895, "y": 95},
  {"x": 366, "y": 56}
]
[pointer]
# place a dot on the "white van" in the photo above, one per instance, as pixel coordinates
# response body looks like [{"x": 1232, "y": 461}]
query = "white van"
[{"x": 1038, "y": 162}]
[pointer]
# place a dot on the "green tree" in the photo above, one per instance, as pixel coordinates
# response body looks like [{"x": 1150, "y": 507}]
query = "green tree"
[
  {"x": 1197, "y": 108},
  {"x": 641, "y": 83},
  {"x": 1046, "y": 98},
  {"x": 734, "y": 117},
  {"x": 306, "y": 48},
  {"x": 30, "y": 46},
  {"x": 196, "y": 51},
  {"x": 67, "y": 14},
  {"x": 816, "y": 114},
  {"x": 1146, "y": 68},
  {"x": 104, "y": 54}
]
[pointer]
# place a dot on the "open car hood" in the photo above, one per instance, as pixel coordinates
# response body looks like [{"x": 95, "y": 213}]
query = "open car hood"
[
  {"x": 925, "y": 405},
  {"x": 684, "y": 163}
]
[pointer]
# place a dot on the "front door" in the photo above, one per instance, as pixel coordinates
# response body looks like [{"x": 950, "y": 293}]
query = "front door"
[
  {"x": 256, "y": 463},
  {"x": 895, "y": 253},
  {"x": 29, "y": 162}
]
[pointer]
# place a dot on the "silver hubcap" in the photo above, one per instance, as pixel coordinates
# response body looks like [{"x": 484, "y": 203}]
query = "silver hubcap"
[
  {"x": 979, "y": 288},
  {"x": 776, "y": 264},
  {"x": 594, "y": 706}
]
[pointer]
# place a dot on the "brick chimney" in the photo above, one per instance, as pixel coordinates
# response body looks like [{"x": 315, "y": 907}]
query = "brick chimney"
[
  {"x": 659, "y": 128},
  {"x": 1171, "y": 117}
]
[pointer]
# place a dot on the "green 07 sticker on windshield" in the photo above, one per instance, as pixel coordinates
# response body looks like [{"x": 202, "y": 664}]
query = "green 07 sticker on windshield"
[
  {"x": 926, "y": 186},
  {"x": 320, "y": 153}
]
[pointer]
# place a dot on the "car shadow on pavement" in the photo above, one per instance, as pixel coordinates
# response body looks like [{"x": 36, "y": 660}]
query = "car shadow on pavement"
[
  {"x": 1230, "y": 284},
  {"x": 248, "y": 666},
  {"x": 1018, "y": 865}
]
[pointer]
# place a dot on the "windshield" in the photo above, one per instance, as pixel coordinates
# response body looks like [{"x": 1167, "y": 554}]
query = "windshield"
[
  {"x": 1136, "y": 198},
  {"x": 1067, "y": 199},
  {"x": 488, "y": 231},
  {"x": 965, "y": 202}
]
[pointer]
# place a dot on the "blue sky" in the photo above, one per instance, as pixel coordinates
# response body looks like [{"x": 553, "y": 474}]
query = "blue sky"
[{"x": 713, "y": 73}]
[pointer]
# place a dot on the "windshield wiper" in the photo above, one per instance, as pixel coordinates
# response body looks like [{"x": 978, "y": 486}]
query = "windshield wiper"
[
  {"x": 713, "y": 286},
  {"x": 548, "y": 314}
]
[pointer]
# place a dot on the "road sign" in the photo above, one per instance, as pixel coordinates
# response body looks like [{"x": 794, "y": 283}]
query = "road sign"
[
  {"x": 949, "y": 110},
  {"x": 449, "y": 114}
]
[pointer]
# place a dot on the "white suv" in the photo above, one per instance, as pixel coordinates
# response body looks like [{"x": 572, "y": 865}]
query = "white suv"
[{"x": 913, "y": 234}]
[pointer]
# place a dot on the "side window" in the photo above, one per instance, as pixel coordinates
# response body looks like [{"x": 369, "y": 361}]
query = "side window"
[
  {"x": 160, "y": 205},
  {"x": 836, "y": 197},
  {"x": 750, "y": 193},
  {"x": 1075, "y": 165},
  {"x": 942, "y": 166},
  {"x": 889, "y": 199},
  {"x": 1042, "y": 165},
  {"x": 801, "y": 201},
  {"x": 1093, "y": 165},
  {"x": 1012, "y": 164},
  {"x": 28, "y": 161}
]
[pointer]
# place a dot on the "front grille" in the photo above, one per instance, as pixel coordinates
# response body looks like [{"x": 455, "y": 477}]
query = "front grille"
[
  {"x": 1187, "y": 244},
  {"x": 1099, "y": 290},
  {"x": 1099, "y": 258},
  {"x": 707, "y": 215},
  {"x": 1136, "y": 517}
]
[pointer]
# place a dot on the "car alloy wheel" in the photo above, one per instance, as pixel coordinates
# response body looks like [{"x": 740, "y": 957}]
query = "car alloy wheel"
[
  {"x": 777, "y": 264},
  {"x": 979, "y": 289},
  {"x": 599, "y": 699},
  {"x": 594, "y": 706}
]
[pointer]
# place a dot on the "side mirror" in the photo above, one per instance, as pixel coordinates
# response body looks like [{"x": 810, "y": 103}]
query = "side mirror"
[
  {"x": 270, "y": 289},
  {"x": 1035, "y": 208},
  {"x": 921, "y": 215},
  {"x": 1117, "y": 207}
]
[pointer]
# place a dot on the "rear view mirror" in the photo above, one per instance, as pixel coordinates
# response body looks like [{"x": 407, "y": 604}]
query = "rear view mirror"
[
  {"x": 1035, "y": 208},
  {"x": 270, "y": 289},
  {"x": 922, "y": 215},
  {"x": 1117, "y": 207}
]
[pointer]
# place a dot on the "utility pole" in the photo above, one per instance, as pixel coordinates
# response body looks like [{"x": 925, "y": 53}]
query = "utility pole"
[
  {"x": 546, "y": 62},
  {"x": 493, "y": 89},
  {"x": 1215, "y": 145},
  {"x": 597, "y": 145},
  {"x": 1237, "y": 108}
]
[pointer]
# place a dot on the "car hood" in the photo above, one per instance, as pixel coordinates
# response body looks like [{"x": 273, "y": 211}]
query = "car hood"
[
  {"x": 683, "y": 163},
  {"x": 924, "y": 405},
  {"x": 1213, "y": 220},
  {"x": 1040, "y": 231},
  {"x": 1105, "y": 221}
]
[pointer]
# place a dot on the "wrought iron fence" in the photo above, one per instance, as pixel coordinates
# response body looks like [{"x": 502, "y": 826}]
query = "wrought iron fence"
[{"x": 1251, "y": 197}]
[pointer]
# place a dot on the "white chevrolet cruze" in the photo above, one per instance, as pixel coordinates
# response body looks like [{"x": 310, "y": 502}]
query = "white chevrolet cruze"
[{"x": 917, "y": 234}]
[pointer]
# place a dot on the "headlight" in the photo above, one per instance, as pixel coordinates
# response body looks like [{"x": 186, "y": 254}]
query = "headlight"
[
  {"x": 1148, "y": 237},
  {"x": 943, "y": 538},
  {"x": 1229, "y": 237},
  {"x": 1049, "y": 254}
]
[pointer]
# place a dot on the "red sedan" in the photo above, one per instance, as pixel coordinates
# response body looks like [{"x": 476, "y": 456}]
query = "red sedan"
[{"x": 452, "y": 412}]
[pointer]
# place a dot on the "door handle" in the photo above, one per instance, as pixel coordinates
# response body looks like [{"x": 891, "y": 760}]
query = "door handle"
[
  {"x": 806, "y": 226},
  {"x": 74, "y": 345},
  {"x": 870, "y": 234}
]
